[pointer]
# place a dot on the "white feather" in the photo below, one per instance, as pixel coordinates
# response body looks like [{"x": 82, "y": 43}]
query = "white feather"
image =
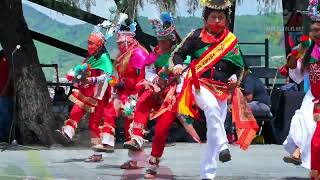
[
  {"x": 122, "y": 18},
  {"x": 106, "y": 23}
]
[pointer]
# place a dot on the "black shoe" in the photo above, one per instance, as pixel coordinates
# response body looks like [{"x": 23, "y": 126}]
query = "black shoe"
[
  {"x": 225, "y": 156},
  {"x": 292, "y": 160},
  {"x": 132, "y": 145},
  {"x": 61, "y": 137},
  {"x": 103, "y": 148}
]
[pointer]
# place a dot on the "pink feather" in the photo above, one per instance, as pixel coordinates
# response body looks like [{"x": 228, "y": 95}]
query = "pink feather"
[
  {"x": 151, "y": 58},
  {"x": 138, "y": 58}
]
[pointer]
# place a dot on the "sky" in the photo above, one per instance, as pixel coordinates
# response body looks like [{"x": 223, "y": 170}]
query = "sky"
[{"x": 248, "y": 7}]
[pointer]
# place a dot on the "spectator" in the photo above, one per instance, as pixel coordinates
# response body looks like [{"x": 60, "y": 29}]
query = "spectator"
[
  {"x": 4, "y": 74},
  {"x": 5, "y": 98},
  {"x": 256, "y": 95}
]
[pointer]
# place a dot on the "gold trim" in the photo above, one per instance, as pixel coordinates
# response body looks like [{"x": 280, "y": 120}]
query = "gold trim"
[
  {"x": 214, "y": 5},
  {"x": 123, "y": 63},
  {"x": 96, "y": 141},
  {"x": 87, "y": 108},
  {"x": 84, "y": 98}
]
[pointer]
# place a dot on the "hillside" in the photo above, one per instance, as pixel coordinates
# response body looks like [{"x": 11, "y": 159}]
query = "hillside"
[{"x": 247, "y": 28}]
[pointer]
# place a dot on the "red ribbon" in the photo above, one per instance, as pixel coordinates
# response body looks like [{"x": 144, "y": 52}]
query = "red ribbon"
[{"x": 195, "y": 78}]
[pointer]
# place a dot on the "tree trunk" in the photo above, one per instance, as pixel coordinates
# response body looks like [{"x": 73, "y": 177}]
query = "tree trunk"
[
  {"x": 34, "y": 118},
  {"x": 232, "y": 16}
]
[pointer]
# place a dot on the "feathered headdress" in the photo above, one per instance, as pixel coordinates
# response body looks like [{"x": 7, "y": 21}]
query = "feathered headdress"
[
  {"x": 126, "y": 24},
  {"x": 216, "y": 4},
  {"x": 117, "y": 22},
  {"x": 313, "y": 10},
  {"x": 164, "y": 28}
]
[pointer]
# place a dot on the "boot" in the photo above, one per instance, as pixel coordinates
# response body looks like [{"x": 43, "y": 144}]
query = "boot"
[
  {"x": 135, "y": 144},
  {"x": 94, "y": 158},
  {"x": 151, "y": 171},
  {"x": 64, "y": 136},
  {"x": 225, "y": 156},
  {"x": 103, "y": 148},
  {"x": 130, "y": 165}
]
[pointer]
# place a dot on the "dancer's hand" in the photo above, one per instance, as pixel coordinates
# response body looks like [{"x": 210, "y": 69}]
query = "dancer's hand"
[
  {"x": 177, "y": 70},
  {"x": 163, "y": 70},
  {"x": 88, "y": 80},
  {"x": 160, "y": 82},
  {"x": 232, "y": 84},
  {"x": 119, "y": 85}
]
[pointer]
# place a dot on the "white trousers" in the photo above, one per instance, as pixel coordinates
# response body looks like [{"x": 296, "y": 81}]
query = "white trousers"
[
  {"x": 215, "y": 112},
  {"x": 301, "y": 131}
]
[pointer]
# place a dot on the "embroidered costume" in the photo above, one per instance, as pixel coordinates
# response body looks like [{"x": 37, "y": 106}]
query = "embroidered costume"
[
  {"x": 92, "y": 92},
  {"x": 130, "y": 69},
  {"x": 216, "y": 62}
]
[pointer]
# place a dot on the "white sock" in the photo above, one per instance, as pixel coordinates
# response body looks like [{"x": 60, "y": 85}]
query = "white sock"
[
  {"x": 97, "y": 153},
  {"x": 69, "y": 131},
  {"x": 108, "y": 139},
  {"x": 137, "y": 155}
]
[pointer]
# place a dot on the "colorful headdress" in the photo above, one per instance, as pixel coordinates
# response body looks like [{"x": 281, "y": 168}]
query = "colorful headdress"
[
  {"x": 126, "y": 29},
  {"x": 119, "y": 23},
  {"x": 164, "y": 28},
  {"x": 313, "y": 10},
  {"x": 125, "y": 36},
  {"x": 126, "y": 25},
  {"x": 216, "y": 4},
  {"x": 97, "y": 38}
]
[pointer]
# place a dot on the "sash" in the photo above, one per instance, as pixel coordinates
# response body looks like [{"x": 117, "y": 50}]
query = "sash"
[
  {"x": 123, "y": 60},
  {"x": 207, "y": 60},
  {"x": 244, "y": 120},
  {"x": 167, "y": 105}
]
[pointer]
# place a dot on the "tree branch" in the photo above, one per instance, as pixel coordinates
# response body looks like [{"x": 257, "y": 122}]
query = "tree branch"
[{"x": 70, "y": 11}]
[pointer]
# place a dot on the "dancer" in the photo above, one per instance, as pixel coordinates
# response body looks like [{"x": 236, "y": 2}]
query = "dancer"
[
  {"x": 130, "y": 69},
  {"x": 298, "y": 141},
  {"x": 92, "y": 93},
  {"x": 217, "y": 68},
  {"x": 158, "y": 97},
  {"x": 304, "y": 136},
  {"x": 312, "y": 65}
]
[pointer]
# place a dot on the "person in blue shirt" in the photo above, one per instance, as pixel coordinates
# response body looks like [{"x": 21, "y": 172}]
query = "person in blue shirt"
[{"x": 256, "y": 95}]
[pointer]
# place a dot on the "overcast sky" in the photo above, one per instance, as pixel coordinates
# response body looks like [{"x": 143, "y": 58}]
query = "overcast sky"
[{"x": 248, "y": 7}]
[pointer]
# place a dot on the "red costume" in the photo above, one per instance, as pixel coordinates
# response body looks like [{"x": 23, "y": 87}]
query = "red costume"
[
  {"x": 157, "y": 98},
  {"x": 314, "y": 75},
  {"x": 4, "y": 73},
  {"x": 315, "y": 142},
  {"x": 92, "y": 93},
  {"x": 130, "y": 68}
]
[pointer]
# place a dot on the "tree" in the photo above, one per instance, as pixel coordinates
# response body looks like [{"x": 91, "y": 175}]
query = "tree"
[{"x": 34, "y": 117}]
